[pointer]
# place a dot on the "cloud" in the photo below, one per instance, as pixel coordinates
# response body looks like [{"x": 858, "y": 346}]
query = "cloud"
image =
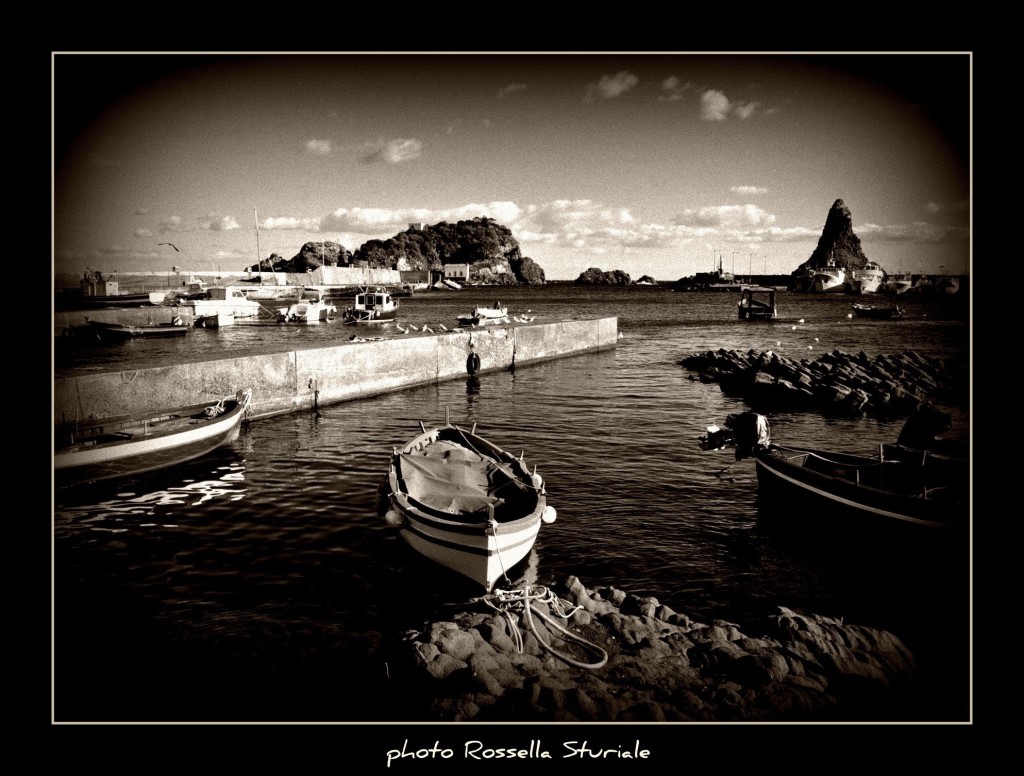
[
  {"x": 318, "y": 147},
  {"x": 673, "y": 89},
  {"x": 143, "y": 232},
  {"x": 939, "y": 207},
  {"x": 394, "y": 151},
  {"x": 914, "y": 232},
  {"x": 726, "y": 216},
  {"x": 217, "y": 223},
  {"x": 289, "y": 222},
  {"x": 611, "y": 86},
  {"x": 171, "y": 224},
  {"x": 745, "y": 190},
  {"x": 141, "y": 211},
  {"x": 715, "y": 106},
  {"x": 385, "y": 222},
  {"x": 505, "y": 91}
]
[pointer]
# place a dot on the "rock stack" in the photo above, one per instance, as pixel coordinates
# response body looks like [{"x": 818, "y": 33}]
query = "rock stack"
[
  {"x": 490, "y": 665},
  {"x": 837, "y": 382}
]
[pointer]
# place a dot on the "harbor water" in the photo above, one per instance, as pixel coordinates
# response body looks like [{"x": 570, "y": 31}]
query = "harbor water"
[{"x": 257, "y": 584}]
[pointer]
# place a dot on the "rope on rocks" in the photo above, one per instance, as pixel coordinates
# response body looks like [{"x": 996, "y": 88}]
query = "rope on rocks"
[{"x": 508, "y": 601}]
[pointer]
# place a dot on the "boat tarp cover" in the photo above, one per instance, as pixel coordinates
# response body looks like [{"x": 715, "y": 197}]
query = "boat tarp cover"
[{"x": 451, "y": 478}]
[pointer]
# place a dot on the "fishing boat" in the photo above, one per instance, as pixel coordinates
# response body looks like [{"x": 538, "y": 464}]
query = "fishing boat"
[
  {"x": 464, "y": 503},
  {"x": 883, "y": 312},
  {"x": 915, "y": 482},
  {"x": 898, "y": 284},
  {"x": 92, "y": 450},
  {"x": 312, "y": 307},
  {"x": 482, "y": 316},
  {"x": 828, "y": 279},
  {"x": 374, "y": 304},
  {"x": 125, "y": 331},
  {"x": 867, "y": 279},
  {"x": 757, "y": 304},
  {"x": 947, "y": 284}
]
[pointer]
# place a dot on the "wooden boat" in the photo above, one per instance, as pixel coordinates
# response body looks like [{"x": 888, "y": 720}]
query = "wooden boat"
[
  {"x": 757, "y": 304},
  {"x": 312, "y": 307},
  {"x": 881, "y": 312},
  {"x": 372, "y": 305},
  {"x": 907, "y": 483},
  {"x": 225, "y": 299},
  {"x": 125, "y": 331},
  {"x": 215, "y": 320},
  {"x": 464, "y": 503},
  {"x": 87, "y": 451}
]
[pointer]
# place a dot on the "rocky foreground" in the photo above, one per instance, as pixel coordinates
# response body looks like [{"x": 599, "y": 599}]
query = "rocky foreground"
[
  {"x": 630, "y": 658},
  {"x": 837, "y": 382}
]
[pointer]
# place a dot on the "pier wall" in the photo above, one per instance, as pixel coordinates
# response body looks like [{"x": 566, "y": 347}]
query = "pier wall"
[{"x": 294, "y": 380}]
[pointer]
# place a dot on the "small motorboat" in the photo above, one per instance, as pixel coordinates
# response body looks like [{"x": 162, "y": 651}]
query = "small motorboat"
[
  {"x": 757, "y": 304},
  {"x": 92, "y": 450},
  {"x": 372, "y": 305},
  {"x": 482, "y": 316},
  {"x": 313, "y": 307},
  {"x": 880, "y": 312},
  {"x": 464, "y": 503},
  {"x": 215, "y": 320}
]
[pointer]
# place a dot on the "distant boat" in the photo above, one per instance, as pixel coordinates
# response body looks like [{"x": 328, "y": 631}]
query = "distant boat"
[
  {"x": 803, "y": 279},
  {"x": 867, "y": 279},
  {"x": 881, "y": 312},
  {"x": 947, "y": 284},
  {"x": 482, "y": 316},
  {"x": 225, "y": 299},
  {"x": 311, "y": 308},
  {"x": 897, "y": 284},
  {"x": 829, "y": 279}
]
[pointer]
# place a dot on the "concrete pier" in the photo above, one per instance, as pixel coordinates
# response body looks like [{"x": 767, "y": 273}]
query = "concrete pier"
[{"x": 294, "y": 380}]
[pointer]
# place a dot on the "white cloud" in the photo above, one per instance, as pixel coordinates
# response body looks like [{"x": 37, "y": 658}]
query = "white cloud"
[
  {"x": 673, "y": 89},
  {"x": 217, "y": 223},
  {"x": 394, "y": 151},
  {"x": 611, "y": 86},
  {"x": 289, "y": 222},
  {"x": 505, "y": 91},
  {"x": 727, "y": 216},
  {"x": 385, "y": 222},
  {"x": 715, "y": 106},
  {"x": 933, "y": 207},
  {"x": 318, "y": 147},
  {"x": 914, "y": 232},
  {"x": 143, "y": 232},
  {"x": 747, "y": 190},
  {"x": 171, "y": 224}
]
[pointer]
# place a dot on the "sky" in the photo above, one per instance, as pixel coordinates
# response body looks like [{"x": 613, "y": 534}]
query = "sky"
[{"x": 660, "y": 164}]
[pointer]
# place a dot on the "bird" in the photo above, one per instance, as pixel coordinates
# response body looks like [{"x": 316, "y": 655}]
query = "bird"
[
  {"x": 443, "y": 327},
  {"x": 816, "y": 339},
  {"x": 414, "y": 327},
  {"x": 427, "y": 329},
  {"x": 801, "y": 320},
  {"x": 172, "y": 245},
  {"x": 399, "y": 327}
]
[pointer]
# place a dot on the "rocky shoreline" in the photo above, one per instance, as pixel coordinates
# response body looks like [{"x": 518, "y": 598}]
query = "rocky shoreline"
[
  {"x": 569, "y": 653},
  {"x": 836, "y": 382}
]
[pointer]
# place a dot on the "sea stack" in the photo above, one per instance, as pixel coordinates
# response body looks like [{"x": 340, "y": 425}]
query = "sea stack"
[{"x": 837, "y": 242}]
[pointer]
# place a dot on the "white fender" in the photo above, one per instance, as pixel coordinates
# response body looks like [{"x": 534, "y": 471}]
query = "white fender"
[
  {"x": 549, "y": 515},
  {"x": 394, "y": 519}
]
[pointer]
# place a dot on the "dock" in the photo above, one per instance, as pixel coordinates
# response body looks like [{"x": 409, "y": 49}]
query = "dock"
[{"x": 302, "y": 379}]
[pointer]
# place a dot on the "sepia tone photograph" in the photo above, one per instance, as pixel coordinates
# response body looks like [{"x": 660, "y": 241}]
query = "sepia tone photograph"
[{"x": 471, "y": 401}]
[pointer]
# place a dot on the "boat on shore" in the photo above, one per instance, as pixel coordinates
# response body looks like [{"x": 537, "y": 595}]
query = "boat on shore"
[
  {"x": 464, "y": 503},
  {"x": 374, "y": 304},
  {"x": 93, "y": 450},
  {"x": 882, "y": 312},
  {"x": 867, "y": 279}
]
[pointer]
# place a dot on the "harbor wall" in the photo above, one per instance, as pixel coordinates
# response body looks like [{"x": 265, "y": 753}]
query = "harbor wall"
[{"x": 301, "y": 379}]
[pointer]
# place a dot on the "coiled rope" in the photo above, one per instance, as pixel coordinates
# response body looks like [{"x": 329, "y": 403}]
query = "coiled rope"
[{"x": 508, "y": 601}]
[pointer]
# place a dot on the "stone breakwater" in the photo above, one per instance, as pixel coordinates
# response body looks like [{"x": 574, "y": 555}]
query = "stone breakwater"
[
  {"x": 486, "y": 665},
  {"x": 836, "y": 382}
]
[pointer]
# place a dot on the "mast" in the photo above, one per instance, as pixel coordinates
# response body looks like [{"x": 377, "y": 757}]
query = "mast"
[{"x": 259, "y": 260}]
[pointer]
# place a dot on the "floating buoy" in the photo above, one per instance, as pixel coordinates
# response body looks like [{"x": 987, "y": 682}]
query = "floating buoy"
[
  {"x": 549, "y": 515},
  {"x": 801, "y": 320},
  {"x": 394, "y": 519}
]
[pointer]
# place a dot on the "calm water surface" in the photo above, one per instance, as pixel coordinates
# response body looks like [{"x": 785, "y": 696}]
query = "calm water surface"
[{"x": 258, "y": 584}]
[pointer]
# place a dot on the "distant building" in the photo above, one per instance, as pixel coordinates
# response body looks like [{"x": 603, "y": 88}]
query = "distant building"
[
  {"x": 456, "y": 271},
  {"x": 417, "y": 227},
  {"x": 94, "y": 284}
]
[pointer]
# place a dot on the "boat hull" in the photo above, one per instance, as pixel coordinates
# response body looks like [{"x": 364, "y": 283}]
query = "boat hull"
[
  {"x": 122, "y": 447},
  {"x": 825, "y": 283},
  {"x": 786, "y": 481},
  {"x": 116, "y": 331},
  {"x": 482, "y": 545}
]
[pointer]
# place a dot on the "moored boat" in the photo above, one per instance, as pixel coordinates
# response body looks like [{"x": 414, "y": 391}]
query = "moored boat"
[
  {"x": 312, "y": 307},
  {"x": 828, "y": 279},
  {"x": 125, "y": 331},
  {"x": 92, "y": 450},
  {"x": 225, "y": 299},
  {"x": 482, "y": 316},
  {"x": 464, "y": 503},
  {"x": 898, "y": 284},
  {"x": 882, "y": 312},
  {"x": 867, "y": 279},
  {"x": 214, "y": 321},
  {"x": 374, "y": 304},
  {"x": 757, "y": 304}
]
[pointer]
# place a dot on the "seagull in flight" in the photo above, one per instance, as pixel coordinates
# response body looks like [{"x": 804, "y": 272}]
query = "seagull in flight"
[{"x": 172, "y": 245}]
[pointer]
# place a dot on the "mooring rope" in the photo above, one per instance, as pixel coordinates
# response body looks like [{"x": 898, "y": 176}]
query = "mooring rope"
[{"x": 508, "y": 601}]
